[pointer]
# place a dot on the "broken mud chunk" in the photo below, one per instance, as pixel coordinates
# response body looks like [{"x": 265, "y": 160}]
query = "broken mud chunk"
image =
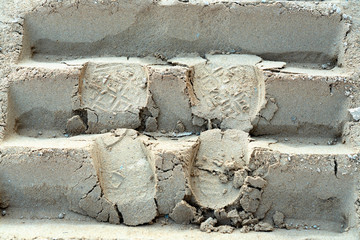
[
  {"x": 278, "y": 218},
  {"x": 244, "y": 215},
  {"x": 239, "y": 178},
  {"x": 197, "y": 121},
  {"x": 223, "y": 178},
  {"x": 220, "y": 154},
  {"x": 225, "y": 229},
  {"x": 109, "y": 211},
  {"x": 355, "y": 113},
  {"x": 271, "y": 65},
  {"x": 234, "y": 216},
  {"x": 75, "y": 125},
  {"x": 127, "y": 179},
  {"x": 169, "y": 160},
  {"x": 230, "y": 165},
  {"x": 199, "y": 218},
  {"x": 263, "y": 227},
  {"x": 208, "y": 225},
  {"x": 270, "y": 109},
  {"x": 256, "y": 182},
  {"x": 250, "y": 198},
  {"x": 183, "y": 213},
  {"x": 151, "y": 124},
  {"x": 91, "y": 203},
  {"x": 220, "y": 214},
  {"x": 246, "y": 229},
  {"x": 250, "y": 221},
  {"x": 180, "y": 127}
]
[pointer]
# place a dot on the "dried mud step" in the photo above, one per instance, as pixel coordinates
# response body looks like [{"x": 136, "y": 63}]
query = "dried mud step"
[
  {"x": 190, "y": 95},
  {"x": 131, "y": 178},
  {"x": 307, "y": 182},
  {"x": 312, "y": 103},
  {"x": 169, "y": 28},
  {"x": 142, "y": 94}
]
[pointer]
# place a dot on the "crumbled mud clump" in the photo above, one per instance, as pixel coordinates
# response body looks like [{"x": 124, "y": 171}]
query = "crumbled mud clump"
[
  {"x": 278, "y": 218},
  {"x": 183, "y": 213},
  {"x": 75, "y": 125},
  {"x": 263, "y": 227}
]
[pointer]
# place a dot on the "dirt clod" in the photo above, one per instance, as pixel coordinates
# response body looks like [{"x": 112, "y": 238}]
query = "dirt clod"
[
  {"x": 278, "y": 218},
  {"x": 225, "y": 229},
  {"x": 250, "y": 199},
  {"x": 239, "y": 178},
  {"x": 263, "y": 227},
  {"x": 75, "y": 125},
  {"x": 208, "y": 225},
  {"x": 183, "y": 213},
  {"x": 256, "y": 182}
]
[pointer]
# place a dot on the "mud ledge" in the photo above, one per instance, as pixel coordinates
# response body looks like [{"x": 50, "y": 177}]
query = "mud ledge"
[{"x": 300, "y": 35}]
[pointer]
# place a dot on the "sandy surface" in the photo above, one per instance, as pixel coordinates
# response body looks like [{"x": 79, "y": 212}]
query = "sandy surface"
[{"x": 57, "y": 229}]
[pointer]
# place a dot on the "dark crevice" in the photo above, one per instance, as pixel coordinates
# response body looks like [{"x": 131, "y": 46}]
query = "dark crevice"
[
  {"x": 102, "y": 209},
  {"x": 156, "y": 203},
  {"x": 331, "y": 89},
  {"x": 144, "y": 114},
  {"x": 121, "y": 220},
  {"x": 213, "y": 123},
  {"x": 92, "y": 189},
  {"x": 81, "y": 165},
  {"x": 335, "y": 168}
]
